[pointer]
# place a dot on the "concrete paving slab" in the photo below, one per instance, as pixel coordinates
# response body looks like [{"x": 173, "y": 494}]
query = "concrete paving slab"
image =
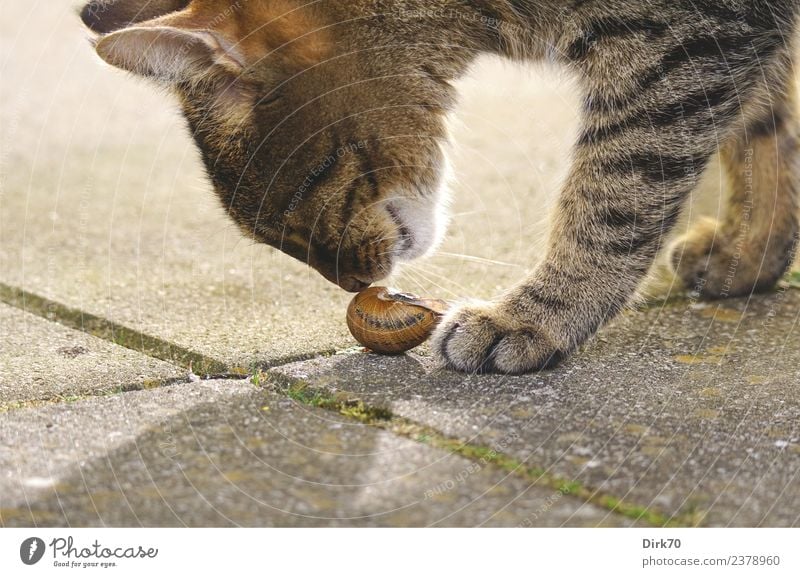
[
  {"x": 42, "y": 360},
  {"x": 221, "y": 453},
  {"x": 691, "y": 410},
  {"x": 104, "y": 206}
]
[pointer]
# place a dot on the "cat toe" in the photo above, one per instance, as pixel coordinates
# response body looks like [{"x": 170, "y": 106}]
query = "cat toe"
[{"x": 481, "y": 340}]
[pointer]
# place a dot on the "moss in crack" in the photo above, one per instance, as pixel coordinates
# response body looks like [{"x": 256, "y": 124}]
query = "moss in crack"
[
  {"x": 257, "y": 378},
  {"x": 56, "y": 399},
  {"x": 340, "y": 403},
  {"x": 15, "y": 405},
  {"x": 359, "y": 411},
  {"x": 540, "y": 476}
]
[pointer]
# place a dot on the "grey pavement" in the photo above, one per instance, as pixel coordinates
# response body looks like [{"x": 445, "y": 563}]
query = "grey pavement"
[
  {"x": 226, "y": 453},
  {"x": 41, "y": 360},
  {"x": 686, "y": 411}
]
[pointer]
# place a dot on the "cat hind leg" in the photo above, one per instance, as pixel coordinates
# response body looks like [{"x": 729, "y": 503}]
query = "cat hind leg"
[{"x": 753, "y": 245}]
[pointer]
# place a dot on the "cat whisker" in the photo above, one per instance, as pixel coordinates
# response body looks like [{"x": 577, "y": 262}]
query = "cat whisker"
[
  {"x": 424, "y": 274},
  {"x": 389, "y": 238},
  {"x": 477, "y": 259},
  {"x": 422, "y": 287}
]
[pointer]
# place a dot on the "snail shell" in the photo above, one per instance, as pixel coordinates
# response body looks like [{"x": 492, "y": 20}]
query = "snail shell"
[{"x": 392, "y": 322}]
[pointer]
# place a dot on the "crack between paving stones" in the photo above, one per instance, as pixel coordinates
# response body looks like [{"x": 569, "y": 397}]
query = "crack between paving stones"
[
  {"x": 147, "y": 385},
  {"x": 197, "y": 365}
]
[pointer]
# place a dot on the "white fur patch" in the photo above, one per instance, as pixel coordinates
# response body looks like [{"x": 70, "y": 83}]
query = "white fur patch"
[{"x": 424, "y": 217}]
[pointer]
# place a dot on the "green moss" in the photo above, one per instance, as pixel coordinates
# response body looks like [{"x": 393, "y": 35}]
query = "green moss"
[
  {"x": 148, "y": 384},
  {"x": 14, "y": 405},
  {"x": 342, "y": 404},
  {"x": 51, "y": 400},
  {"x": 257, "y": 378},
  {"x": 570, "y": 488},
  {"x": 311, "y": 397}
]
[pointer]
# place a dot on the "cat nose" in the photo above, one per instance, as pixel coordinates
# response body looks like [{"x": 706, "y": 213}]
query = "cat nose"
[
  {"x": 342, "y": 269},
  {"x": 346, "y": 280},
  {"x": 352, "y": 284}
]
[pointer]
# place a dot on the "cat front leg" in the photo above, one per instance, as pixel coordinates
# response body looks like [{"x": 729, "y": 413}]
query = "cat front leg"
[
  {"x": 629, "y": 180},
  {"x": 612, "y": 217},
  {"x": 658, "y": 105}
]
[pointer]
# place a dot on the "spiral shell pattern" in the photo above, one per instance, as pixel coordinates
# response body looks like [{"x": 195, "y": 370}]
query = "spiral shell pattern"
[{"x": 390, "y": 322}]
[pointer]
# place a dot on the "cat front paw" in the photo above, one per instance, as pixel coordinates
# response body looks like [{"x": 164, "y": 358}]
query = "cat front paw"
[{"x": 485, "y": 339}]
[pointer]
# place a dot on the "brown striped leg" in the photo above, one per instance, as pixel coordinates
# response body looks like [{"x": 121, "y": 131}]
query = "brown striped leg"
[
  {"x": 754, "y": 244},
  {"x": 631, "y": 175},
  {"x": 613, "y": 215}
]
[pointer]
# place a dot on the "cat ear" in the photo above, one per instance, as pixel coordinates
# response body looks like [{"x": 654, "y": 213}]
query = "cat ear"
[
  {"x": 106, "y": 16},
  {"x": 169, "y": 54}
]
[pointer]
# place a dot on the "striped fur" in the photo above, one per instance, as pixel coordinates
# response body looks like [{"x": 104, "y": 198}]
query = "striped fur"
[{"x": 668, "y": 85}]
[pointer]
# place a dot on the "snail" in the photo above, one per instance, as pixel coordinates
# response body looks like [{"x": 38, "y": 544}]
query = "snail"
[{"x": 390, "y": 322}]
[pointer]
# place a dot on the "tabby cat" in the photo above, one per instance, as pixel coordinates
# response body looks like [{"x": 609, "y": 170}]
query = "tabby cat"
[{"x": 320, "y": 124}]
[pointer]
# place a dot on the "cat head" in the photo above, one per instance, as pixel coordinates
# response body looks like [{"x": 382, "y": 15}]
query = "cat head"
[{"x": 320, "y": 124}]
